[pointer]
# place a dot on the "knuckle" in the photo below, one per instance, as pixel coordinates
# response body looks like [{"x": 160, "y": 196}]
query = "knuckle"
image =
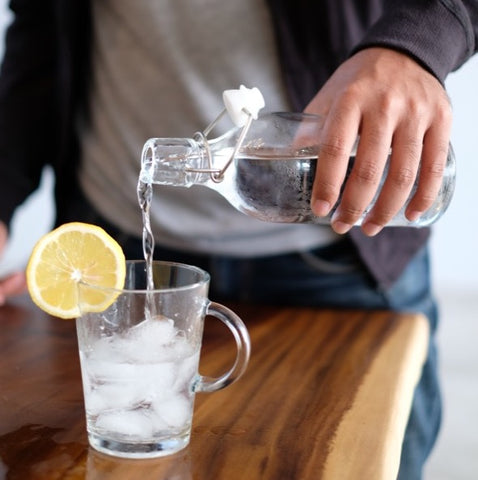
[
  {"x": 366, "y": 173},
  {"x": 350, "y": 213},
  {"x": 423, "y": 201},
  {"x": 444, "y": 111},
  {"x": 403, "y": 178},
  {"x": 412, "y": 147},
  {"x": 373, "y": 139},
  {"x": 434, "y": 170},
  {"x": 333, "y": 147},
  {"x": 442, "y": 149},
  {"x": 381, "y": 215},
  {"x": 388, "y": 105},
  {"x": 350, "y": 94},
  {"x": 416, "y": 110},
  {"x": 326, "y": 190},
  {"x": 445, "y": 115}
]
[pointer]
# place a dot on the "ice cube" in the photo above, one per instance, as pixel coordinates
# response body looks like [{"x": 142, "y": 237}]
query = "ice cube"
[
  {"x": 187, "y": 370},
  {"x": 108, "y": 371},
  {"x": 175, "y": 411},
  {"x": 125, "y": 386},
  {"x": 108, "y": 397},
  {"x": 160, "y": 330},
  {"x": 128, "y": 423},
  {"x": 96, "y": 402},
  {"x": 145, "y": 342}
]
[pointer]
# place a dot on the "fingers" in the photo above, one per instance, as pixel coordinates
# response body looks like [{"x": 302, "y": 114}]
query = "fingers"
[
  {"x": 3, "y": 237},
  {"x": 337, "y": 140},
  {"x": 14, "y": 284},
  {"x": 432, "y": 168},
  {"x": 400, "y": 178},
  {"x": 365, "y": 176},
  {"x": 409, "y": 159},
  {"x": 394, "y": 105},
  {"x": 418, "y": 158}
]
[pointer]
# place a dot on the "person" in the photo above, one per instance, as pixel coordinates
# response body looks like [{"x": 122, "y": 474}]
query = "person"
[{"x": 84, "y": 84}]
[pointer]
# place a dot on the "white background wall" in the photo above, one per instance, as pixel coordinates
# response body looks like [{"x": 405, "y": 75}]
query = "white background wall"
[{"x": 455, "y": 236}]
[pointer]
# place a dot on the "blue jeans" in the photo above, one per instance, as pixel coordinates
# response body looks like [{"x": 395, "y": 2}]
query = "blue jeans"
[{"x": 334, "y": 276}]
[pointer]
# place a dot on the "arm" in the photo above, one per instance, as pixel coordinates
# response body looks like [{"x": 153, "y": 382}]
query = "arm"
[
  {"x": 28, "y": 102},
  {"x": 390, "y": 92},
  {"x": 27, "y": 114},
  {"x": 14, "y": 283}
]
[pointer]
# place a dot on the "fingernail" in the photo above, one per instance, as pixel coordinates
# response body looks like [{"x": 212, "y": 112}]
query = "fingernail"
[
  {"x": 370, "y": 229},
  {"x": 414, "y": 215},
  {"x": 321, "y": 208},
  {"x": 340, "y": 227}
]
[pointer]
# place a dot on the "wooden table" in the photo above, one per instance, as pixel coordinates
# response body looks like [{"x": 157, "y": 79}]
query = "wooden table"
[{"x": 326, "y": 396}]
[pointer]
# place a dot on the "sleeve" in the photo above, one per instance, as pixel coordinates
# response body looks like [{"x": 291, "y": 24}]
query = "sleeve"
[
  {"x": 28, "y": 101},
  {"x": 441, "y": 35}
]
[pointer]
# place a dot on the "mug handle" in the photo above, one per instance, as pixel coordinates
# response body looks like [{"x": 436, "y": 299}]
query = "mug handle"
[{"x": 243, "y": 343}]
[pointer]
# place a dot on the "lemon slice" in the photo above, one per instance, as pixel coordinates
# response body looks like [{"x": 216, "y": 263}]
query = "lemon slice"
[{"x": 72, "y": 253}]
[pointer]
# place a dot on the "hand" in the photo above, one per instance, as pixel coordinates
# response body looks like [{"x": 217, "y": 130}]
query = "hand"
[
  {"x": 14, "y": 283},
  {"x": 390, "y": 101}
]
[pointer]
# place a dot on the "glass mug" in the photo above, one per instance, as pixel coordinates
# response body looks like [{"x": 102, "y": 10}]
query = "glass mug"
[{"x": 139, "y": 359}]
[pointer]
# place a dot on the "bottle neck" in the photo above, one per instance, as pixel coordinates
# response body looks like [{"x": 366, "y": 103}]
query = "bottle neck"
[{"x": 174, "y": 161}]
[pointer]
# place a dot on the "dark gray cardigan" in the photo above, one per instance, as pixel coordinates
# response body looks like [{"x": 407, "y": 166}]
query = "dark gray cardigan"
[{"x": 44, "y": 84}]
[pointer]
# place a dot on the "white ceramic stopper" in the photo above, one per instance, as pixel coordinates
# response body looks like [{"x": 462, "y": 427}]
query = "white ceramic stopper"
[{"x": 242, "y": 102}]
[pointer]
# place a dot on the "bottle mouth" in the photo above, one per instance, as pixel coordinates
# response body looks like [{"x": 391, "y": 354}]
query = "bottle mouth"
[{"x": 147, "y": 156}]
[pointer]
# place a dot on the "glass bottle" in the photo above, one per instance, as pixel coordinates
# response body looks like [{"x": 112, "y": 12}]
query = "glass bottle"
[{"x": 267, "y": 172}]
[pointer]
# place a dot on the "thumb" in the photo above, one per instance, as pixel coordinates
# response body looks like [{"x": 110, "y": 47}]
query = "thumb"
[
  {"x": 14, "y": 284},
  {"x": 3, "y": 237}
]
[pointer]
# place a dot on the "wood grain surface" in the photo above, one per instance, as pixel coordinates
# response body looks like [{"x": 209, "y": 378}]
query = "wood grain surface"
[{"x": 326, "y": 397}]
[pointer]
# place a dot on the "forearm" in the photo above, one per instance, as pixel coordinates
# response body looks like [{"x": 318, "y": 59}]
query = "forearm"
[{"x": 28, "y": 103}]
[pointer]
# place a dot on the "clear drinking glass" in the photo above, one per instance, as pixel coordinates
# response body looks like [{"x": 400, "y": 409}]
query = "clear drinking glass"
[{"x": 139, "y": 359}]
